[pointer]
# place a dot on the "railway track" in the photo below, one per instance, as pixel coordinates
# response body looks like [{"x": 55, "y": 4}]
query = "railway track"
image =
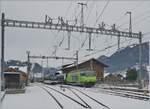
[
  {"x": 130, "y": 95},
  {"x": 70, "y": 88},
  {"x": 79, "y": 97},
  {"x": 122, "y": 93},
  {"x": 60, "y": 105},
  {"x": 127, "y": 94},
  {"x": 76, "y": 92}
]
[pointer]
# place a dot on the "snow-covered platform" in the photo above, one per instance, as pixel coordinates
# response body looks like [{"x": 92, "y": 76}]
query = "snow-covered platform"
[
  {"x": 15, "y": 91},
  {"x": 36, "y": 97},
  {"x": 2, "y": 94}
]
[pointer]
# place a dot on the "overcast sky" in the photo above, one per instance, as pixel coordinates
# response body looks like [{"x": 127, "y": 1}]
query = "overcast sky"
[{"x": 42, "y": 42}]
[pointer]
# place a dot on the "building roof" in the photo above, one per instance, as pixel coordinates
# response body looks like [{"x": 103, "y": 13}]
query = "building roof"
[
  {"x": 66, "y": 65},
  {"x": 19, "y": 68},
  {"x": 93, "y": 59},
  {"x": 14, "y": 71},
  {"x": 104, "y": 65}
]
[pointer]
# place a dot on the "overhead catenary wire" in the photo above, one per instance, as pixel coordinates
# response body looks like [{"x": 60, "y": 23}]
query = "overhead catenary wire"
[
  {"x": 140, "y": 3},
  {"x": 141, "y": 20},
  {"x": 135, "y": 18},
  {"x": 88, "y": 14},
  {"x": 83, "y": 43},
  {"x": 146, "y": 33},
  {"x": 102, "y": 12},
  {"x": 61, "y": 40},
  {"x": 68, "y": 9},
  {"x": 108, "y": 47},
  {"x": 133, "y": 9},
  {"x": 99, "y": 16},
  {"x": 54, "y": 52}
]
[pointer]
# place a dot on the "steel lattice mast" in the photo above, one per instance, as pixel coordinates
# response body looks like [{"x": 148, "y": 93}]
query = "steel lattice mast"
[{"x": 68, "y": 28}]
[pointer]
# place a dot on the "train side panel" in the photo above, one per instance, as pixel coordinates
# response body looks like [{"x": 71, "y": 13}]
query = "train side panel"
[{"x": 76, "y": 78}]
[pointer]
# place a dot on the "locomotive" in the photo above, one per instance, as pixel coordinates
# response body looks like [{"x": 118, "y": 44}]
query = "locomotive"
[{"x": 81, "y": 78}]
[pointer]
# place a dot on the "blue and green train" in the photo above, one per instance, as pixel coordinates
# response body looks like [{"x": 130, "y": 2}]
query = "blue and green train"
[{"x": 81, "y": 77}]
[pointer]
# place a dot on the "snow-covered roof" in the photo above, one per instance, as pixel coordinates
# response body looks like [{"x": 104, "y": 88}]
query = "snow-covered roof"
[
  {"x": 21, "y": 68},
  {"x": 106, "y": 74},
  {"x": 38, "y": 75},
  {"x": 24, "y": 69}
]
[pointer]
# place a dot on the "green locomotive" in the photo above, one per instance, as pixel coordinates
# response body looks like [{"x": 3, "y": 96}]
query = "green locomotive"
[{"x": 81, "y": 78}]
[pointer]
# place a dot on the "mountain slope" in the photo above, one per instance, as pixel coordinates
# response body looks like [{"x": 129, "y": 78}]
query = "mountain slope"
[{"x": 126, "y": 58}]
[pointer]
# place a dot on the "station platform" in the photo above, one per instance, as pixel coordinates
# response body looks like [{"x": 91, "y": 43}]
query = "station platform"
[{"x": 2, "y": 95}]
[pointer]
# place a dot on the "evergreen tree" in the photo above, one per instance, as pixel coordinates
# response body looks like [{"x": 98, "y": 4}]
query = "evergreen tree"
[{"x": 131, "y": 74}]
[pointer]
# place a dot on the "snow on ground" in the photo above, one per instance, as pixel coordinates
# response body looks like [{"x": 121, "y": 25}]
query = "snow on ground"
[
  {"x": 2, "y": 94},
  {"x": 115, "y": 86},
  {"x": 148, "y": 68},
  {"x": 117, "y": 102},
  {"x": 36, "y": 98}
]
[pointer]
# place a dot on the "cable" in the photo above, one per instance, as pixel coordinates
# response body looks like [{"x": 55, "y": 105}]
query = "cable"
[
  {"x": 68, "y": 9},
  {"x": 139, "y": 21},
  {"x": 105, "y": 48},
  {"x": 119, "y": 19},
  {"x": 61, "y": 40},
  {"x": 83, "y": 43},
  {"x": 136, "y": 18},
  {"x": 90, "y": 10},
  {"x": 53, "y": 39},
  {"x": 75, "y": 37},
  {"x": 122, "y": 17},
  {"x": 102, "y": 11},
  {"x": 138, "y": 5},
  {"x": 147, "y": 33},
  {"x": 93, "y": 44}
]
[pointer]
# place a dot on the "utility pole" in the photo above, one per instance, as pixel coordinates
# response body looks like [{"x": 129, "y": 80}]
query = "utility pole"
[
  {"x": 69, "y": 35},
  {"x": 28, "y": 67},
  {"x": 42, "y": 71},
  {"x": 2, "y": 51},
  {"x": 47, "y": 62},
  {"x": 55, "y": 49},
  {"x": 77, "y": 58},
  {"x": 114, "y": 29},
  {"x": 118, "y": 42},
  {"x": 140, "y": 61},
  {"x": 130, "y": 23},
  {"x": 90, "y": 42},
  {"x": 82, "y": 14}
]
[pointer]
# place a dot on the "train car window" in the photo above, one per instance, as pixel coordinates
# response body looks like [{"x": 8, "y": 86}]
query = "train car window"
[
  {"x": 88, "y": 73},
  {"x": 82, "y": 73},
  {"x": 74, "y": 78}
]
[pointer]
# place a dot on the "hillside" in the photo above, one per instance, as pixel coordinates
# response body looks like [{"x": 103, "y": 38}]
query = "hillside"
[{"x": 126, "y": 58}]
